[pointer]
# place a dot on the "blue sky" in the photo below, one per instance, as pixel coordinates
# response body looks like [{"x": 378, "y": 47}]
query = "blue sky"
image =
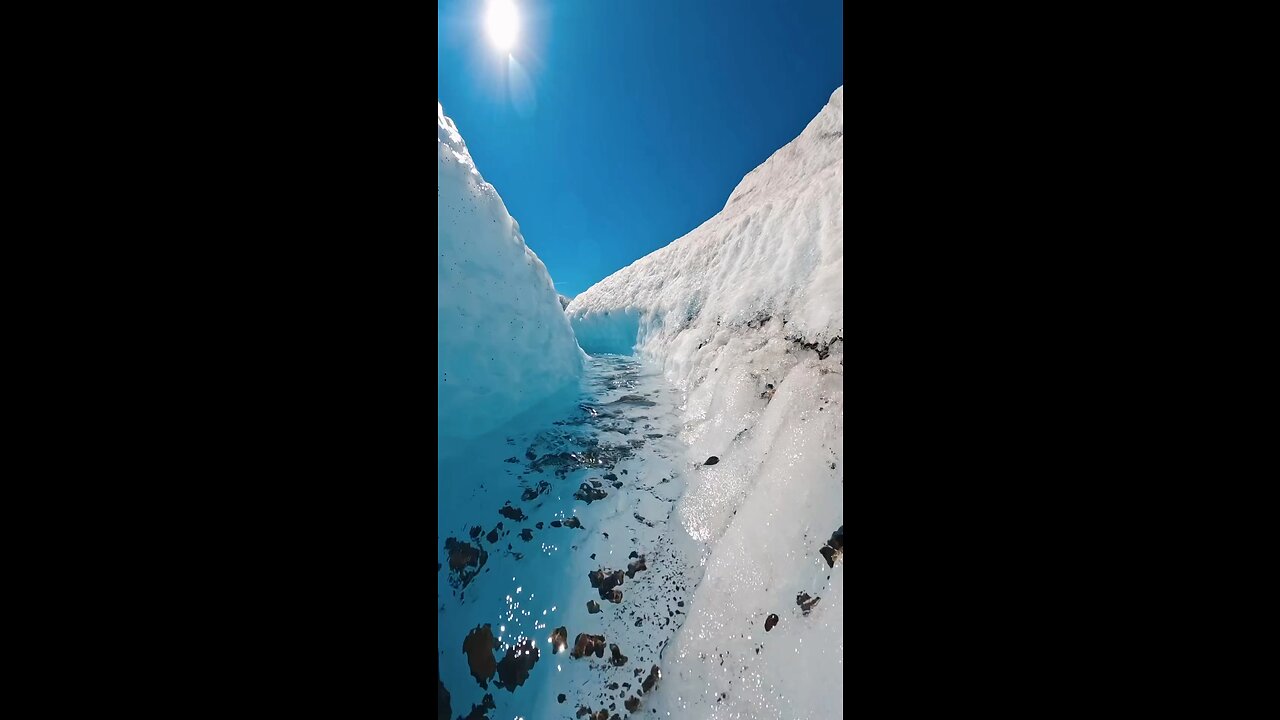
[{"x": 617, "y": 126}]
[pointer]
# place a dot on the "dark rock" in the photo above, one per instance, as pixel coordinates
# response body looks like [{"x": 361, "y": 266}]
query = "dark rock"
[
  {"x": 559, "y": 639},
  {"x": 512, "y": 513},
  {"x": 632, "y": 704},
  {"x": 769, "y": 622},
  {"x": 512, "y": 459},
  {"x": 531, "y": 493},
  {"x": 475, "y": 532},
  {"x": 514, "y": 668},
  {"x": 618, "y": 484},
  {"x": 560, "y": 698},
  {"x": 635, "y": 567},
  {"x": 596, "y": 483},
  {"x": 555, "y": 523},
  {"x": 590, "y": 494},
  {"x": 834, "y": 547},
  {"x": 479, "y": 646},
  {"x": 478, "y": 711},
  {"x": 610, "y": 476},
  {"x": 712, "y": 460},
  {"x": 606, "y": 581},
  {"x": 443, "y": 708},
  {"x": 586, "y": 644},
  {"x": 465, "y": 561},
  {"x": 526, "y": 534},
  {"x": 593, "y": 607},
  {"x": 539, "y": 526},
  {"x": 617, "y": 658},
  {"x": 573, "y": 522},
  {"x": 805, "y": 602},
  {"x": 633, "y": 554},
  {"x": 492, "y": 536},
  {"x": 654, "y": 675}
]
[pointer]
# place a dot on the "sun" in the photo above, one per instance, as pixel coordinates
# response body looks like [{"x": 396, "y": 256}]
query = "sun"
[{"x": 503, "y": 23}]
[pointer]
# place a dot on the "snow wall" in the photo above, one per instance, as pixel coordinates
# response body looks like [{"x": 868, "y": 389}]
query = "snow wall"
[
  {"x": 745, "y": 314},
  {"x": 505, "y": 347}
]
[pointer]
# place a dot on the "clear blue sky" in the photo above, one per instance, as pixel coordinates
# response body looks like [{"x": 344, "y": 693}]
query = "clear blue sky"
[{"x": 618, "y": 126}]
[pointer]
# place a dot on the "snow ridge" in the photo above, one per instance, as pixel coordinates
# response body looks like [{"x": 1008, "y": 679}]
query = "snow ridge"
[
  {"x": 504, "y": 344},
  {"x": 745, "y": 315}
]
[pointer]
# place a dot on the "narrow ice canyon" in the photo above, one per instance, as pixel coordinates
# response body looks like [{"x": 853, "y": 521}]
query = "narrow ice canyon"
[{"x": 641, "y": 493}]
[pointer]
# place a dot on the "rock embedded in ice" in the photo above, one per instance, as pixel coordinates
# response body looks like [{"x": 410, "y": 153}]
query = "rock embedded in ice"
[
  {"x": 712, "y": 460},
  {"x": 654, "y": 675},
  {"x": 465, "y": 561},
  {"x": 593, "y": 607},
  {"x": 589, "y": 494},
  {"x": 515, "y": 666},
  {"x": 559, "y": 639},
  {"x": 478, "y": 712},
  {"x": 635, "y": 567},
  {"x": 586, "y": 644},
  {"x": 834, "y": 547},
  {"x": 512, "y": 513},
  {"x": 617, "y": 659},
  {"x": 769, "y": 622},
  {"x": 479, "y": 646}
]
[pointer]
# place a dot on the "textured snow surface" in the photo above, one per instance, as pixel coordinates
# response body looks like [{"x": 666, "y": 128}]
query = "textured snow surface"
[
  {"x": 752, "y": 298},
  {"x": 504, "y": 343}
]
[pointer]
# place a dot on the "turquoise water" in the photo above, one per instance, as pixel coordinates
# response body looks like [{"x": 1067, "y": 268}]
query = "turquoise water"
[{"x": 621, "y": 435}]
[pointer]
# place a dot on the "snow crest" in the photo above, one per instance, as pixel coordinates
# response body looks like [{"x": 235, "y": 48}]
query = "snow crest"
[
  {"x": 504, "y": 344},
  {"x": 745, "y": 315}
]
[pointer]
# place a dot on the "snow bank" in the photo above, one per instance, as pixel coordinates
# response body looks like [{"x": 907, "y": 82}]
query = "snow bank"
[
  {"x": 504, "y": 343},
  {"x": 745, "y": 314}
]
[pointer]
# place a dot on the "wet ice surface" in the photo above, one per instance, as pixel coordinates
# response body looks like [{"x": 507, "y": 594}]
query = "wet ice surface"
[{"x": 612, "y": 466}]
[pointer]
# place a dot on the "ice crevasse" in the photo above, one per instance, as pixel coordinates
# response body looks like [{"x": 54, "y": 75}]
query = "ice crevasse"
[
  {"x": 745, "y": 315},
  {"x": 504, "y": 345}
]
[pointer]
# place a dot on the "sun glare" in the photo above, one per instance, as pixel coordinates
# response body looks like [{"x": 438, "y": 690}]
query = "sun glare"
[{"x": 503, "y": 23}]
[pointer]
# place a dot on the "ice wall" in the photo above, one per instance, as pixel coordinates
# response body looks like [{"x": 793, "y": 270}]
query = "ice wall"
[
  {"x": 504, "y": 344},
  {"x": 745, "y": 314}
]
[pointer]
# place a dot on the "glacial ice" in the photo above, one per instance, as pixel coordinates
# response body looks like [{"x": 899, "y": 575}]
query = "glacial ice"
[
  {"x": 745, "y": 316},
  {"x": 735, "y": 333},
  {"x": 504, "y": 345}
]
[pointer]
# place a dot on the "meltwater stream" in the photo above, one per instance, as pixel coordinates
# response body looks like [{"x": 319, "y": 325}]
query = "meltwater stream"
[{"x": 526, "y": 518}]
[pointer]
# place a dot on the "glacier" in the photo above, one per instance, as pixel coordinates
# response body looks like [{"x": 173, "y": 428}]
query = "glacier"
[
  {"x": 702, "y": 435},
  {"x": 504, "y": 345},
  {"x": 745, "y": 314}
]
